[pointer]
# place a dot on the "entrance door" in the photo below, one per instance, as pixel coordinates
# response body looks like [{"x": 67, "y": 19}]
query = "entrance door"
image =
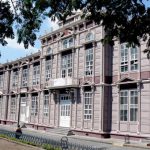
[
  {"x": 24, "y": 110},
  {"x": 65, "y": 105}
]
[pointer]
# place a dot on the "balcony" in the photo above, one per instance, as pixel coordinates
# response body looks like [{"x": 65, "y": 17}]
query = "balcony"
[{"x": 62, "y": 82}]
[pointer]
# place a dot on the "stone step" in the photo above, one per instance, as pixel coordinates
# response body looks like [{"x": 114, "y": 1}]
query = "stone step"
[{"x": 59, "y": 130}]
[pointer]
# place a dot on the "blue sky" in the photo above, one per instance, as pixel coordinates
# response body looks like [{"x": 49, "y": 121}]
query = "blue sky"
[{"x": 13, "y": 50}]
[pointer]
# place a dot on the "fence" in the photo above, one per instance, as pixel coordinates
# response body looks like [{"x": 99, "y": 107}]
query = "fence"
[{"x": 41, "y": 140}]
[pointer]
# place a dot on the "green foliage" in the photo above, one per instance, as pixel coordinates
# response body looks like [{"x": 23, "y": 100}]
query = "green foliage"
[
  {"x": 6, "y": 22},
  {"x": 126, "y": 20},
  {"x": 49, "y": 147}
]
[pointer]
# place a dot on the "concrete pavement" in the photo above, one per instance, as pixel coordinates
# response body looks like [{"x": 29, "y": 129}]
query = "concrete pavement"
[{"x": 111, "y": 144}]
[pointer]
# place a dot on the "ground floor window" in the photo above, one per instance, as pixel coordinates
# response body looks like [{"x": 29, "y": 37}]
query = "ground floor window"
[
  {"x": 46, "y": 105},
  {"x": 34, "y": 105},
  {"x": 87, "y": 104},
  {"x": 128, "y": 105},
  {"x": 13, "y": 105}
]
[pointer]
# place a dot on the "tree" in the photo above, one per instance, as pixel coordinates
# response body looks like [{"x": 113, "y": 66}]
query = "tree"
[{"x": 127, "y": 20}]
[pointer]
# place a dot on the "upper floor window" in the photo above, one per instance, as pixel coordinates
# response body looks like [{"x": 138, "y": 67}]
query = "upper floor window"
[
  {"x": 66, "y": 65},
  {"x": 128, "y": 105},
  {"x": 48, "y": 63},
  {"x": 1, "y": 80},
  {"x": 89, "y": 37},
  {"x": 67, "y": 43},
  {"x": 15, "y": 78},
  {"x": 24, "y": 77},
  {"x": 87, "y": 103},
  {"x": 89, "y": 61},
  {"x": 49, "y": 51},
  {"x": 34, "y": 105},
  {"x": 36, "y": 74},
  {"x": 129, "y": 58}
]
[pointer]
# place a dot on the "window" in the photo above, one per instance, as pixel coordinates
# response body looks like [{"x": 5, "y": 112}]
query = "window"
[
  {"x": 1, "y": 80},
  {"x": 46, "y": 105},
  {"x": 13, "y": 105},
  {"x": 128, "y": 105},
  {"x": 128, "y": 63},
  {"x": 89, "y": 62},
  {"x": 36, "y": 74},
  {"x": 48, "y": 64},
  {"x": 34, "y": 106},
  {"x": 49, "y": 51},
  {"x": 88, "y": 105},
  {"x": 15, "y": 78},
  {"x": 67, "y": 43},
  {"x": 24, "y": 77},
  {"x": 66, "y": 66},
  {"x": 89, "y": 37}
]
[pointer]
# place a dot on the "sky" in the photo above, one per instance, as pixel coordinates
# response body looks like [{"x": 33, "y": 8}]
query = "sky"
[{"x": 14, "y": 51}]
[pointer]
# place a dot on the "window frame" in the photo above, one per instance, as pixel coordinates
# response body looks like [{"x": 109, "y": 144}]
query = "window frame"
[
  {"x": 13, "y": 105},
  {"x": 36, "y": 75},
  {"x": 15, "y": 78},
  {"x": 1, "y": 80},
  {"x": 126, "y": 60},
  {"x": 68, "y": 43},
  {"x": 89, "y": 63},
  {"x": 89, "y": 37},
  {"x": 129, "y": 106},
  {"x": 46, "y": 105},
  {"x": 88, "y": 98},
  {"x": 34, "y": 105},
  {"x": 25, "y": 75},
  {"x": 48, "y": 69},
  {"x": 66, "y": 65}
]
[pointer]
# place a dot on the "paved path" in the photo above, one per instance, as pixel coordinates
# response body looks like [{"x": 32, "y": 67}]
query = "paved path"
[
  {"x": 8, "y": 145},
  {"x": 90, "y": 141}
]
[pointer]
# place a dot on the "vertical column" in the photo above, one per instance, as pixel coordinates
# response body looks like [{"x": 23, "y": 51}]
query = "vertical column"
[
  {"x": 139, "y": 108},
  {"x": 39, "y": 111},
  {"x": 118, "y": 109},
  {"x": 93, "y": 95},
  {"x": 73, "y": 55},
  {"x": 93, "y": 75},
  {"x": 75, "y": 115},
  {"x": 82, "y": 102},
  {"x": 19, "y": 103},
  {"x": 41, "y": 63},
  {"x": 58, "y": 107},
  {"x": 49, "y": 112},
  {"x": 30, "y": 97}
]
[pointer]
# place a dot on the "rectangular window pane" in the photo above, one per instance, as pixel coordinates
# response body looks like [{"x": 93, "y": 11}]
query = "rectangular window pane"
[
  {"x": 46, "y": 105},
  {"x": 87, "y": 105},
  {"x": 34, "y": 106},
  {"x": 89, "y": 62},
  {"x": 36, "y": 75}
]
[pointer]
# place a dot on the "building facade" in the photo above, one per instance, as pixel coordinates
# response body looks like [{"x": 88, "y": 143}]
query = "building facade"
[{"x": 75, "y": 81}]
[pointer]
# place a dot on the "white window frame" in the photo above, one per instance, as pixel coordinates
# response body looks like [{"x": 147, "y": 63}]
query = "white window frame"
[
  {"x": 48, "y": 69},
  {"x": 34, "y": 105},
  {"x": 128, "y": 58},
  {"x": 66, "y": 66},
  {"x": 89, "y": 37},
  {"x": 24, "y": 81},
  {"x": 89, "y": 62},
  {"x": 49, "y": 51},
  {"x": 15, "y": 77},
  {"x": 36, "y": 75},
  {"x": 88, "y": 105},
  {"x": 67, "y": 43},
  {"x": 46, "y": 105},
  {"x": 131, "y": 104},
  {"x": 13, "y": 105}
]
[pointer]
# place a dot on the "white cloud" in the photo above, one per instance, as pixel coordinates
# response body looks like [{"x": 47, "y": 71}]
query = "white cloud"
[{"x": 12, "y": 43}]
